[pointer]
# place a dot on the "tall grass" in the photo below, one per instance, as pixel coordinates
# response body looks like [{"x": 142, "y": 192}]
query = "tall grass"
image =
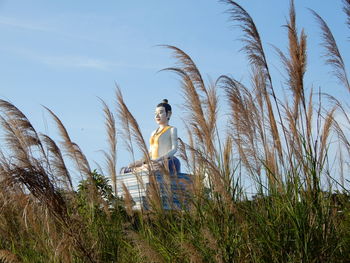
[{"x": 300, "y": 212}]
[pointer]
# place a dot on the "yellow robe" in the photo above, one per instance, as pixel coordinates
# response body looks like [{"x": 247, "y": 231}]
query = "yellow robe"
[{"x": 154, "y": 142}]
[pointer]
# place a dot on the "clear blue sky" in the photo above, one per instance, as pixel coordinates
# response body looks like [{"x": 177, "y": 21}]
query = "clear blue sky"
[{"x": 64, "y": 54}]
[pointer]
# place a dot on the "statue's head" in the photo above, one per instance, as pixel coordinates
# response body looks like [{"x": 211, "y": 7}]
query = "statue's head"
[{"x": 163, "y": 112}]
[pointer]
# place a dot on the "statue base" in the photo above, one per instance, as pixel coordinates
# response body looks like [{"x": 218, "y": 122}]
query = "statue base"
[{"x": 169, "y": 191}]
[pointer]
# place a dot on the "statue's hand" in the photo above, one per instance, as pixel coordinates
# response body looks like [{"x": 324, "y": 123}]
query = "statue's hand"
[
  {"x": 141, "y": 168},
  {"x": 156, "y": 166}
]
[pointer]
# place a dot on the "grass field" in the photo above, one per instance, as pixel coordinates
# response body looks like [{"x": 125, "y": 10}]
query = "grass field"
[{"x": 301, "y": 209}]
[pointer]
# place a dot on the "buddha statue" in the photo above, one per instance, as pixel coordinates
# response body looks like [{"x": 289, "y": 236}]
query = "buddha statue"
[{"x": 163, "y": 144}]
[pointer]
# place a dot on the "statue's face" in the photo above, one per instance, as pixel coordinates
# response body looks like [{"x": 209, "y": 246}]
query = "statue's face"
[{"x": 161, "y": 116}]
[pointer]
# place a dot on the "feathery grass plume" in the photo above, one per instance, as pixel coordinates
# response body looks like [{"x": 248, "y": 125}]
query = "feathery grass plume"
[
  {"x": 21, "y": 138},
  {"x": 38, "y": 183},
  {"x": 342, "y": 134},
  {"x": 14, "y": 143},
  {"x": 299, "y": 133},
  {"x": 326, "y": 129},
  {"x": 295, "y": 64},
  {"x": 111, "y": 155},
  {"x": 28, "y": 169},
  {"x": 254, "y": 49},
  {"x": 187, "y": 65},
  {"x": 200, "y": 101},
  {"x": 72, "y": 149},
  {"x": 223, "y": 193},
  {"x": 347, "y": 11},
  {"x": 344, "y": 145},
  {"x": 30, "y": 232},
  {"x": 332, "y": 53},
  {"x": 243, "y": 122},
  {"x": 248, "y": 131},
  {"x": 58, "y": 167},
  {"x": 263, "y": 129},
  {"x": 130, "y": 128},
  {"x": 17, "y": 119},
  {"x": 299, "y": 115},
  {"x": 342, "y": 130},
  {"x": 293, "y": 137}
]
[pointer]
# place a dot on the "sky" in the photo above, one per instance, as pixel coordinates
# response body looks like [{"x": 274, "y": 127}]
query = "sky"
[{"x": 65, "y": 55}]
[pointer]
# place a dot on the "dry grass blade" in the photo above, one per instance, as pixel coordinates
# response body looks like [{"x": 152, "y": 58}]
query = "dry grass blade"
[
  {"x": 111, "y": 155},
  {"x": 129, "y": 202},
  {"x": 342, "y": 127},
  {"x": 347, "y": 11},
  {"x": 147, "y": 252},
  {"x": 7, "y": 256},
  {"x": 72, "y": 149},
  {"x": 130, "y": 126},
  {"x": 227, "y": 157},
  {"x": 325, "y": 132},
  {"x": 340, "y": 106},
  {"x": 38, "y": 183},
  {"x": 342, "y": 135},
  {"x": 218, "y": 182},
  {"x": 182, "y": 151},
  {"x": 332, "y": 53},
  {"x": 309, "y": 116},
  {"x": 212, "y": 107}
]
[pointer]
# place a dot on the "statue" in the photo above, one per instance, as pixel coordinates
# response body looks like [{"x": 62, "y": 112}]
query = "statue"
[{"x": 163, "y": 144}]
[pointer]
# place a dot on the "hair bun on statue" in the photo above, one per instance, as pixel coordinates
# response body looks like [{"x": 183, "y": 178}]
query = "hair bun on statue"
[{"x": 165, "y": 104}]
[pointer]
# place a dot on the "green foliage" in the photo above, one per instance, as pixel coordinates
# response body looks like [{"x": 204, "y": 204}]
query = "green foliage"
[{"x": 102, "y": 214}]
